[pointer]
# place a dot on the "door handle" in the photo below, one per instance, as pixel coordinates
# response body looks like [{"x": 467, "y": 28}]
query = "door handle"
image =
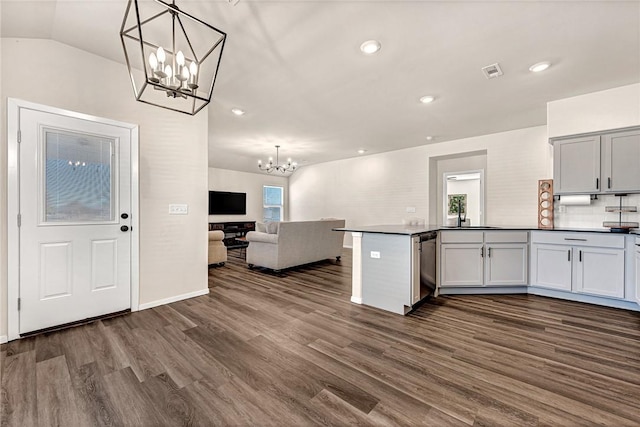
[
  {"x": 124, "y": 228},
  {"x": 580, "y": 256},
  {"x": 597, "y": 183},
  {"x": 569, "y": 255},
  {"x": 482, "y": 252},
  {"x": 575, "y": 240},
  {"x": 609, "y": 182},
  {"x": 489, "y": 252}
]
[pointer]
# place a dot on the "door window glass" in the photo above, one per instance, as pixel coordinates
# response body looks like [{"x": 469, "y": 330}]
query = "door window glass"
[{"x": 78, "y": 177}]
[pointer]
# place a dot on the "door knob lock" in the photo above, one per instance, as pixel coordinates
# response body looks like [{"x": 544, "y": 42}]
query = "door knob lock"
[{"x": 124, "y": 228}]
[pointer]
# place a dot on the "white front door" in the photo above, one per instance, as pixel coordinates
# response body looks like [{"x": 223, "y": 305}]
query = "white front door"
[{"x": 75, "y": 209}]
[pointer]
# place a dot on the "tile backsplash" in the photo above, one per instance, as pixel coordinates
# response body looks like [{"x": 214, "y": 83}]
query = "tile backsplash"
[{"x": 593, "y": 215}]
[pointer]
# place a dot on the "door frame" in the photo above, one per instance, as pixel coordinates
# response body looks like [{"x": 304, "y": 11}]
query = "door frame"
[
  {"x": 13, "y": 204},
  {"x": 445, "y": 192}
]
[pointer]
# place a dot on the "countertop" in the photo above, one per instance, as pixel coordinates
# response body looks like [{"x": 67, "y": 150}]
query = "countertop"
[{"x": 412, "y": 230}]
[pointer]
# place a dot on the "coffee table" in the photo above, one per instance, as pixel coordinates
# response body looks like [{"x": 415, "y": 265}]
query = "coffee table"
[{"x": 242, "y": 243}]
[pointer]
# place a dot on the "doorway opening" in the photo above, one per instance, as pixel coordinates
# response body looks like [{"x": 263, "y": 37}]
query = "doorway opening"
[
  {"x": 463, "y": 195},
  {"x": 453, "y": 165}
]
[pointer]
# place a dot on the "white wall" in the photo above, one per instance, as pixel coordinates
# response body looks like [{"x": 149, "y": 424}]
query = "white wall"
[
  {"x": 593, "y": 215},
  {"x": 607, "y": 109},
  {"x": 250, "y": 183},
  {"x": 173, "y": 158},
  {"x": 377, "y": 189},
  {"x": 374, "y": 189}
]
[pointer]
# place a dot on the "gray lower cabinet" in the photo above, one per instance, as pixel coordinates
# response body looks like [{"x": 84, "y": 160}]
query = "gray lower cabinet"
[
  {"x": 551, "y": 266},
  {"x": 588, "y": 263},
  {"x": 461, "y": 264},
  {"x": 506, "y": 264},
  {"x": 479, "y": 259},
  {"x": 600, "y": 271}
]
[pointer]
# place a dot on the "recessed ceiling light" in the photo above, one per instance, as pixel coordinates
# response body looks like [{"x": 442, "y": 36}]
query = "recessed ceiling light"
[
  {"x": 237, "y": 111},
  {"x": 427, "y": 99},
  {"x": 361, "y": 151},
  {"x": 540, "y": 66},
  {"x": 370, "y": 47},
  {"x": 429, "y": 138}
]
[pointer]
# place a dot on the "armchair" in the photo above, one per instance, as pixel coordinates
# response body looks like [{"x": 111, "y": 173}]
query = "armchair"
[{"x": 217, "y": 249}]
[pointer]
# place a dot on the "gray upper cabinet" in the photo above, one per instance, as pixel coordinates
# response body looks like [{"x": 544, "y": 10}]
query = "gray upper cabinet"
[
  {"x": 597, "y": 163},
  {"x": 621, "y": 161},
  {"x": 576, "y": 165}
]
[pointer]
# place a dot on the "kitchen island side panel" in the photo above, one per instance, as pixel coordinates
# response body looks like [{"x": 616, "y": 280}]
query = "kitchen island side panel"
[{"x": 386, "y": 281}]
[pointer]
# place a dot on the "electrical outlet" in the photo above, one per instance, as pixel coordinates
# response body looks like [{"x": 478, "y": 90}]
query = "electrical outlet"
[
  {"x": 375, "y": 254},
  {"x": 562, "y": 208},
  {"x": 181, "y": 209}
]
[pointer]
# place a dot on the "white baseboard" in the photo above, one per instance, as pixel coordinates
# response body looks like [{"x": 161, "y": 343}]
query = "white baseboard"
[
  {"x": 356, "y": 300},
  {"x": 3, "y": 339},
  {"x": 348, "y": 246},
  {"x": 173, "y": 299}
]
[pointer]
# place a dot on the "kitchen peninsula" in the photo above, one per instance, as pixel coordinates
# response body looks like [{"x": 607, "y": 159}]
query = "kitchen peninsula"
[
  {"x": 588, "y": 265},
  {"x": 391, "y": 270}
]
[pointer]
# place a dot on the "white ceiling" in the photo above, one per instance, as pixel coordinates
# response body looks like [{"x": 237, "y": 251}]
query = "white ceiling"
[{"x": 296, "y": 68}]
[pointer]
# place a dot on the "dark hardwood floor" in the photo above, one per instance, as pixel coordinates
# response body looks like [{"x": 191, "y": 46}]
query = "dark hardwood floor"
[{"x": 290, "y": 349}]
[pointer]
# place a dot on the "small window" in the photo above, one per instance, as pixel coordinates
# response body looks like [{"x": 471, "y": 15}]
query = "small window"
[{"x": 272, "y": 203}]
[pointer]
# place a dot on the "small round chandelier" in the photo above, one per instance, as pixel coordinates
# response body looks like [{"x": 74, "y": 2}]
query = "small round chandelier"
[
  {"x": 270, "y": 166},
  {"x": 172, "y": 56}
]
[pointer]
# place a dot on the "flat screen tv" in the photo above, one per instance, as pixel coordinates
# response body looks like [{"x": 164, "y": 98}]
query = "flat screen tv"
[{"x": 227, "y": 203}]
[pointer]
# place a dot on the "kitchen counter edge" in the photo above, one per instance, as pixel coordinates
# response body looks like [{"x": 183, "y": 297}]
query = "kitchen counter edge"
[{"x": 421, "y": 229}]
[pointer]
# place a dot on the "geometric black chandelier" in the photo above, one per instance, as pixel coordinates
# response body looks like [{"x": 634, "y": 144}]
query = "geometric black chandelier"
[{"x": 172, "y": 56}]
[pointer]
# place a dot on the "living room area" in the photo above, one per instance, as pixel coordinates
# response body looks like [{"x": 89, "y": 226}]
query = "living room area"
[
  {"x": 249, "y": 314},
  {"x": 250, "y": 218}
]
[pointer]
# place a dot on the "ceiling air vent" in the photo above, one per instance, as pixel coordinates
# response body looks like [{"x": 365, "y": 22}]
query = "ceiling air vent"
[{"x": 492, "y": 71}]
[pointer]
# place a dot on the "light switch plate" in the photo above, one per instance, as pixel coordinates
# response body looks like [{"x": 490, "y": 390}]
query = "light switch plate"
[
  {"x": 375, "y": 254},
  {"x": 178, "y": 209},
  {"x": 411, "y": 209}
]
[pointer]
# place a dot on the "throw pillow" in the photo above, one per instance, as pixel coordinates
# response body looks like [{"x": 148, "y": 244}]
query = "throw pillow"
[
  {"x": 272, "y": 227},
  {"x": 261, "y": 227}
]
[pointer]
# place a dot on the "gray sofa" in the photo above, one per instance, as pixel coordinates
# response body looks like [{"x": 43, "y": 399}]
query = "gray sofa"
[{"x": 295, "y": 243}]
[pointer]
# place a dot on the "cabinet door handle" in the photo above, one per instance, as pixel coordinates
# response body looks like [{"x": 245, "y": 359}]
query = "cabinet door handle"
[
  {"x": 575, "y": 240},
  {"x": 569, "y": 255},
  {"x": 609, "y": 182},
  {"x": 489, "y": 252},
  {"x": 482, "y": 252},
  {"x": 597, "y": 183},
  {"x": 580, "y": 256}
]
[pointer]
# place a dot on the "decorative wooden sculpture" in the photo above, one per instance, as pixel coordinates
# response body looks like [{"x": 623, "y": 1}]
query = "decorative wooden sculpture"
[{"x": 545, "y": 203}]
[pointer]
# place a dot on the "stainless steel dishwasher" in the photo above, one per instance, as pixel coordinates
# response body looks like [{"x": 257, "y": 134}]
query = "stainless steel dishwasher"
[{"x": 428, "y": 263}]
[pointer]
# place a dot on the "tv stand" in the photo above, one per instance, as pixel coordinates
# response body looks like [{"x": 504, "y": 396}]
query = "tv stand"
[{"x": 233, "y": 230}]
